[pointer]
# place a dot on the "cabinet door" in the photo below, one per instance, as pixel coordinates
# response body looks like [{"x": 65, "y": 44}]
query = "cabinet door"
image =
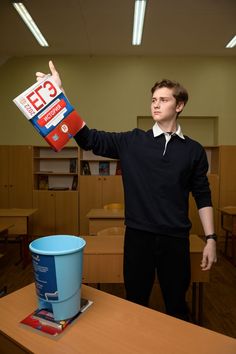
[
  {"x": 227, "y": 176},
  {"x": 90, "y": 197},
  {"x": 4, "y": 163},
  {"x": 112, "y": 190},
  {"x": 45, "y": 219},
  {"x": 20, "y": 177},
  {"x": 67, "y": 213}
]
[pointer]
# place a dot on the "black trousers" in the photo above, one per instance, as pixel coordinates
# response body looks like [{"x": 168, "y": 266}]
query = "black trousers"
[{"x": 146, "y": 254}]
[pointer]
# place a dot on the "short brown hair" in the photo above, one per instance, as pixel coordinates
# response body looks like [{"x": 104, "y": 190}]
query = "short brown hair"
[{"x": 179, "y": 92}]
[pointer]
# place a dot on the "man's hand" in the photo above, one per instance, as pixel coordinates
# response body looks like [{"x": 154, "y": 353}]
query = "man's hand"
[
  {"x": 54, "y": 73},
  {"x": 209, "y": 255}
]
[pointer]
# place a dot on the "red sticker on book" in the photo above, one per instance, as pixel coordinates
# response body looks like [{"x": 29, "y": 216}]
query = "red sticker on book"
[{"x": 55, "y": 110}]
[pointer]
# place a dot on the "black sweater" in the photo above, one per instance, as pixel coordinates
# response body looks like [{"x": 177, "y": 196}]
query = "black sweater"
[{"x": 156, "y": 187}]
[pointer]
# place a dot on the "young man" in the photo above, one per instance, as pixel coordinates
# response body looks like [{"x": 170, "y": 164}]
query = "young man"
[{"x": 160, "y": 168}]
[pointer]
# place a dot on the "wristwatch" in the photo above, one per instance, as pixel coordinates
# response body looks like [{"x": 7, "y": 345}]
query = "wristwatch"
[{"x": 212, "y": 236}]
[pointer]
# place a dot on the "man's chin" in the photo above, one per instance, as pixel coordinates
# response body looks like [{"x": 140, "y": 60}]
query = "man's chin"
[{"x": 157, "y": 119}]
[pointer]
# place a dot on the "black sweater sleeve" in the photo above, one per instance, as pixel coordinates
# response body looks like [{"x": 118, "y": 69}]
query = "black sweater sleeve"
[
  {"x": 102, "y": 143},
  {"x": 200, "y": 185}
]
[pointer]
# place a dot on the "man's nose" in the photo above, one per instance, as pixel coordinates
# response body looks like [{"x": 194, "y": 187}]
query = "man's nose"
[{"x": 157, "y": 103}]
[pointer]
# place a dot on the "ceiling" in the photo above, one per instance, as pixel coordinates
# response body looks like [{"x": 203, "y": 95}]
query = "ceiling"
[{"x": 104, "y": 27}]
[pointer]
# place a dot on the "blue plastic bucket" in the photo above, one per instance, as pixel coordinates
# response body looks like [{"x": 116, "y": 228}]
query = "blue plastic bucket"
[{"x": 58, "y": 264}]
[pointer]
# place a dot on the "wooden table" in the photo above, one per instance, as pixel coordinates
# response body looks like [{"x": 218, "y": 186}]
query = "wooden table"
[
  {"x": 103, "y": 263},
  {"x": 103, "y": 218},
  {"x": 4, "y": 230},
  {"x": 230, "y": 211},
  {"x": 110, "y": 326},
  {"x": 20, "y": 219}
]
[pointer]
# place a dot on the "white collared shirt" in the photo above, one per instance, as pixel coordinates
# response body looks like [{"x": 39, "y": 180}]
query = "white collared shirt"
[{"x": 158, "y": 131}]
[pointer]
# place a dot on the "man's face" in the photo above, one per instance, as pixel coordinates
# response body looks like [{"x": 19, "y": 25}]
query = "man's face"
[{"x": 163, "y": 106}]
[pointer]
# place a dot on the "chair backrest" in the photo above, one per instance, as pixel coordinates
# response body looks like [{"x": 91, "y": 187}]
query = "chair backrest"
[
  {"x": 112, "y": 231},
  {"x": 114, "y": 206}
]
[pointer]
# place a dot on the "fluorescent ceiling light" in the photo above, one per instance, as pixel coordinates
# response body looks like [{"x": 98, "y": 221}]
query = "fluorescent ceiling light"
[
  {"x": 232, "y": 43},
  {"x": 22, "y": 11},
  {"x": 139, "y": 13}
]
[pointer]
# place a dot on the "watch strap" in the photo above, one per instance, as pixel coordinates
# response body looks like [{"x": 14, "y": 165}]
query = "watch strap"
[{"x": 211, "y": 237}]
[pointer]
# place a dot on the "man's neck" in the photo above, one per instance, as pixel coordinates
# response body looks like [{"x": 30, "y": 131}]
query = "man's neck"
[{"x": 168, "y": 126}]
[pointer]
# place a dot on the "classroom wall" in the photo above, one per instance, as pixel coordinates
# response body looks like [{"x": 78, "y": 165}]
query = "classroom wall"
[{"x": 110, "y": 92}]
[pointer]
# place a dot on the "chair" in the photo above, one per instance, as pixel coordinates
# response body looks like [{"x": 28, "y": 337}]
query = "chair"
[
  {"x": 227, "y": 226},
  {"x": 114, "y": 206},
  {"x": 3, "y": 289},
  {"x": 112, "y": 231},
  {"x": 6, "y": 238}
]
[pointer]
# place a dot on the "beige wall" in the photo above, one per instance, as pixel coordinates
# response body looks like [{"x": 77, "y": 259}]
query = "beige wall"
[{"x": 110, "y": 92}]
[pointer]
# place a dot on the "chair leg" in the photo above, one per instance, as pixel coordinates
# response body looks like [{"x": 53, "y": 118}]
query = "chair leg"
[
  {"x": 20, "y": 241},
  {"x": 233, "y": 248},
  {"x": 226, "y": 242}
]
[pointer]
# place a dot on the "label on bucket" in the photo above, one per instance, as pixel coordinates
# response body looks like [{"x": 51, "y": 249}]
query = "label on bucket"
[{"x": 45, "y": 277}]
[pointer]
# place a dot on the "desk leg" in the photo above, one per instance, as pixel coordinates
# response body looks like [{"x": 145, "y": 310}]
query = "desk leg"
[
  {"x": 200, "y": 303},
  {"x": 197, "y": 299},
  {"x": 24, "y": 244},
  {"x": 21, "y": 241},
  {"x": 194, "y": 301},
  {"x": 233, "y": 240},
  {"x": 25, "y": 250},
  {"x": 26, "y": 241}
]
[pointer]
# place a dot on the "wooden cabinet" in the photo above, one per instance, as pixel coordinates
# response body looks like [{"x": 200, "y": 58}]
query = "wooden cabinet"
[
  {"x": 57, "y": 213},
  {"x": 95, "y": 191},
  {"x": 4, "y": 177},
  {"x": 55, "y": 170},
  {"x": 227, "y": 168},
  {"x": 227, "y": 173},
  {"x": 63, "y": 190},
  {"x": 16, "y": 176},
  {"x": 56, "y": 194}
]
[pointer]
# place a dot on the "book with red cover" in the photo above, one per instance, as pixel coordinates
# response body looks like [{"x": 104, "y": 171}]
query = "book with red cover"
[
  {"x": 43, "y": 320},
  {"x": 50, "y": 112}
]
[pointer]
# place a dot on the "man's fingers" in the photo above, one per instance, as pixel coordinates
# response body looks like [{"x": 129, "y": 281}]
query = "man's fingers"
[
  {"x": 40, "y": 76},
  {"x": 204, "y": 262},
  {"x": 52, "y": 68},
  {"x": 205, "y": 265}
]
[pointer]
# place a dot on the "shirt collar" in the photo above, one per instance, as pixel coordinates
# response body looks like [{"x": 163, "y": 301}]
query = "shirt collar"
[{"x": 158, "y": 131}]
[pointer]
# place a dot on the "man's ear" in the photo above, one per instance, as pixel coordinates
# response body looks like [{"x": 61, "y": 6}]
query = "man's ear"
[{"x": 179, "y": 107}]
